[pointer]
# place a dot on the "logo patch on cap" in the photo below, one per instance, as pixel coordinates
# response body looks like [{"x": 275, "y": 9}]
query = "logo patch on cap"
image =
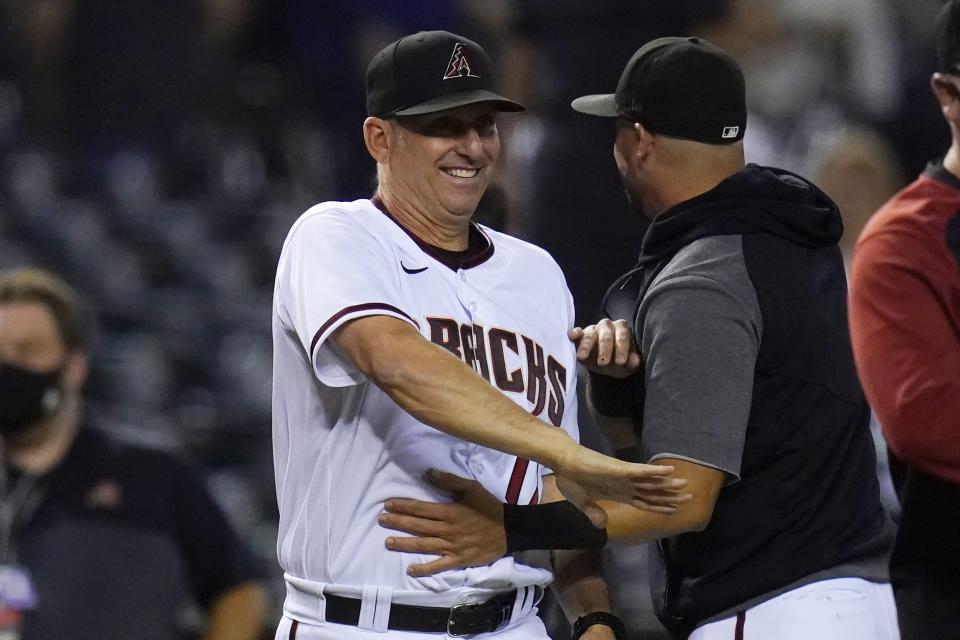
[
  {"x": 459, "y": 65},
  {"x": 730, "y": 132}
]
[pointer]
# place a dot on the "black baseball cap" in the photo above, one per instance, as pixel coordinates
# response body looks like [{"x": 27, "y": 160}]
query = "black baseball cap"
[
  {"x": 678, "y": 87},
  {"x": 948, "y": 37},
  {"x": 431, "y": 71}
]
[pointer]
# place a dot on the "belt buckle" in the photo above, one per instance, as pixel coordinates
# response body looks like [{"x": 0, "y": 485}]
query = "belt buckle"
[
  {"x": 478, "y": 618},
  {"x": 452, "y": 622}
]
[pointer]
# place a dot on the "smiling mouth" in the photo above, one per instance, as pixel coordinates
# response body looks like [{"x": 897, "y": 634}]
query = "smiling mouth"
[{"x": 462, "y": 173}]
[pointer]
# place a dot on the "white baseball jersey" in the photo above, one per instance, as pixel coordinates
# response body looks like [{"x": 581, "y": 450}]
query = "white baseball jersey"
[{"x": 342, "y": 446}]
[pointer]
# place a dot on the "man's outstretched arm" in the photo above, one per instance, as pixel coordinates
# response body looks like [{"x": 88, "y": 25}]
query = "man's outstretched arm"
[
  {"x": 476, "y": 528},
  {"x": 443, "y": 392}
]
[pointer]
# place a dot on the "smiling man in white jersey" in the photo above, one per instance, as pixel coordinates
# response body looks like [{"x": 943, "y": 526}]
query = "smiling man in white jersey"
[{"x": 407, "y": 338}]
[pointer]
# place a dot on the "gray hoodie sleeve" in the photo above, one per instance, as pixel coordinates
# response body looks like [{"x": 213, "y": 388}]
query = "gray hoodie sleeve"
[{"x": 700, "y": 327}]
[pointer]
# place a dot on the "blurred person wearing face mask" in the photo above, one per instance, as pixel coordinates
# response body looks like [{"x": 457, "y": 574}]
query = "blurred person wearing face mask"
[{"x": 98, "y": 539}]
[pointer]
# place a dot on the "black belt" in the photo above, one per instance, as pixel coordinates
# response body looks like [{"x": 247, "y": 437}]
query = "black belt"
[{"x": 457, "y": 621}]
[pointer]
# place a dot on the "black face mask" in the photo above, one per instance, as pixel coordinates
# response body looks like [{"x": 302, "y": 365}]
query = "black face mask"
[{"x": 26, "y": 396}]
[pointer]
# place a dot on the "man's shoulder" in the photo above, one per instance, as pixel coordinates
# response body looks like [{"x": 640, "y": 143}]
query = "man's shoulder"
[
  {"x": 333, "y": 213},
  {"x": 916, "y": 211},
  {"x": 715, "y": 258},
  {"x": 336, "y": 226},
  {"x": 707, "y": 274}
]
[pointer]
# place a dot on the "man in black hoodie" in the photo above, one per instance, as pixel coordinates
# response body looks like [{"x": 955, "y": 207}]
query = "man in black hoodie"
[{"x": 738, "y": 307}]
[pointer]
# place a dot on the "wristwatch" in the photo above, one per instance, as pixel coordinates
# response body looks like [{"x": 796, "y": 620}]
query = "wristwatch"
[{"x": 599, "y": 617}]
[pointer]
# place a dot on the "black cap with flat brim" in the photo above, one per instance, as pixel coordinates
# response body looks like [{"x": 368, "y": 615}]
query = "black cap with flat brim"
[
  {"x": 431, "y": 71},
  {"x": 678, "y": 87},
  {"x": 461, "y": 99}
]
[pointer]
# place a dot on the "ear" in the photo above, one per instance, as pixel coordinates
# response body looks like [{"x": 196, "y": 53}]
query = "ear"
[
  {"x": 75, "y": 370},
  {"x": 946, "y": 92},
  {"x": 376, "y": 135},
  {"x": 646, "y": 142}
]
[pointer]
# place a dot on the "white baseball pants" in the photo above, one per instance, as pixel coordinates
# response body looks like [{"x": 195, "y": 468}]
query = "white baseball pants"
[
  {"x": 531, "y": 628},
  {"x": 836, "y": 609}
]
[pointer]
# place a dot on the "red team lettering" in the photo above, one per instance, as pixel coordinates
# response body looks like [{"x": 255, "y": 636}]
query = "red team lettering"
[{"x": 545, "y": 381}]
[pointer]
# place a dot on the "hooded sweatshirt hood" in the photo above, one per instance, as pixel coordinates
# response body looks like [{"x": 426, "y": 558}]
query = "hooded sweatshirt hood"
[{"x": 780, "y": 203}]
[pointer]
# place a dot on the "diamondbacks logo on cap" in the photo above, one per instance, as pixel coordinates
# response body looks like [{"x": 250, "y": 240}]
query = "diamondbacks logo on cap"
[
  {"x": 459, "y": 65},
  {"x": 730, "y": 132}
]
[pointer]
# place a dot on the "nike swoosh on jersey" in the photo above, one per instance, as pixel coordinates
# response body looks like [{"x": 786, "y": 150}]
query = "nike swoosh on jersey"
[{"x": 404, "y": 267}]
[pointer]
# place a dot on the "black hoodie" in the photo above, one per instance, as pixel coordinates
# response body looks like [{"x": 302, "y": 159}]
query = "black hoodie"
[{"x": 807, "y": 500}]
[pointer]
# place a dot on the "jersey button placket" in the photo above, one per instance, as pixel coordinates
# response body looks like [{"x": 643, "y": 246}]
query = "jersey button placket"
[{"x": 465, "y": 295}]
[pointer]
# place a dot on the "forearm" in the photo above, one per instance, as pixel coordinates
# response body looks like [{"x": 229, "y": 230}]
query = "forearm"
[
  {"x": 578, "y": 580},
  {"x": 238, "y": 614},
  {"x": 626, "y": 525},
  {"x": 563, "y": 526},
  {"x": 443, "y": 392},
  {"x": 546, "y": 526},
  {"x": 629, "y": 526},
  {"x": 578, "y": 583}
]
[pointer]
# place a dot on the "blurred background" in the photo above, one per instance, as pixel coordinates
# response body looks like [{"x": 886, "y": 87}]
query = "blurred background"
[{"x": 155, "y": 153}]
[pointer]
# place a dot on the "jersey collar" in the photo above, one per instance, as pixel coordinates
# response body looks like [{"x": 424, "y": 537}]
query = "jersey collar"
[
  {"x": 479, "y": 245},
  {"x": 938, "y": 172}
]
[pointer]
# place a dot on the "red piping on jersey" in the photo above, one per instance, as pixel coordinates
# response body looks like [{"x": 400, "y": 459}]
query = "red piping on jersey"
[
  {"x": 483, "y": 255},
  {"x": 516, "y": 480},
  {"x": 741, "y": 621},
  {"x": 357, "y": 307},
  {"x": 478, "y": 258}
]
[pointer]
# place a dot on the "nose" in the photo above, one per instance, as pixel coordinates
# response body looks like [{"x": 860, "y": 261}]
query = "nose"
[{"x": 469, "y": 144}]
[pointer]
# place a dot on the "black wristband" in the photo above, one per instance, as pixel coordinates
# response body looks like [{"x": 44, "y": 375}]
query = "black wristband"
[
  {"x": 599, "y": 617},
  {"x": 554, "y": 525}
]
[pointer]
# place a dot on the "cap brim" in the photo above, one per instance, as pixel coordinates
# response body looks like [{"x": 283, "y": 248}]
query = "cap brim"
[
  {"x": 461, "y": 99},
  {"x": 602, "y": 104}
]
